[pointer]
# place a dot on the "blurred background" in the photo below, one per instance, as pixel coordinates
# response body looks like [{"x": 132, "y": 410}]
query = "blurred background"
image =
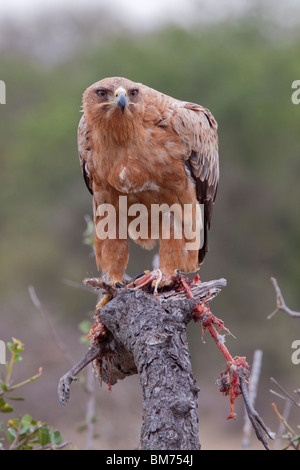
[{"x": 239, "y": 59}]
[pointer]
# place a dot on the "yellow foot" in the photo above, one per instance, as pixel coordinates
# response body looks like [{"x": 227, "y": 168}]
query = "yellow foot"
[{"x": 105, "y": 299}]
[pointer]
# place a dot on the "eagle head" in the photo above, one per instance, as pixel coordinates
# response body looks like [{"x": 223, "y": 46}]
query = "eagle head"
[{"x": 112, "y": 104}]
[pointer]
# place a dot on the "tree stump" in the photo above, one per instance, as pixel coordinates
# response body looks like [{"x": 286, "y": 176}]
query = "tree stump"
[
  {"x": 150, "y": 339},
  {"x": 146, "y": 334},
  {"x": 138, "y": 332}
]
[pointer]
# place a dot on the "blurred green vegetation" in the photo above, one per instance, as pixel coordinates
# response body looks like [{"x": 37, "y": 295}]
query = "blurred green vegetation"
[
  {"x": 23, "y": 433},
  {"x": 243, "y": 74}
]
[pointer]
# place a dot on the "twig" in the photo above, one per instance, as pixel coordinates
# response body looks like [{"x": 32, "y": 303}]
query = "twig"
[
  {"x": 11, "y": 388},
  {"x": 55, "y": 446},
  {"x": 254, "y": 417},
  {"x": 289, "y": 401},
  {"x": 286, "y": 425},
  {"x": 78, "y": 285},
  {"x": 53, "y": 331},
  {"x": 207, "y": 291},
  {"x": 253, "y": 386},
  {"x": 281, "y": 305},
  {"x": 280, "y": 396},
  {"x": 291, "y": 435},
  {"x": 90, "y": 407},
  {"x": 286, "y": 412},
  {"x": 236, "y": 367},
  {"x": 287, "y": 395}
]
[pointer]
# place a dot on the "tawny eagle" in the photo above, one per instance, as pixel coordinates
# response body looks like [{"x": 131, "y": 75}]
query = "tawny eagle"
[{"x": 137, "y": 142}]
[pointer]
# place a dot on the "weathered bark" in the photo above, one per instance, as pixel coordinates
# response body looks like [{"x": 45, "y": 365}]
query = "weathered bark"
[
  {"x": 147, "y": 335},
  {"x": 155, "y": 338}
]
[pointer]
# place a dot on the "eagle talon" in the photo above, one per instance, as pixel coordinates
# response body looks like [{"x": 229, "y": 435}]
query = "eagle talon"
[
  {"x": 152, "y": 289},
  {"x": 105, "y": 299},
  {"x": 147, "y": 271},
  {"x": 119, "y": 284}
]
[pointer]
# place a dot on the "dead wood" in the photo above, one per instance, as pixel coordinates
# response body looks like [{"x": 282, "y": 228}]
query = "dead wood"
[{"x": 145, "y": 334}]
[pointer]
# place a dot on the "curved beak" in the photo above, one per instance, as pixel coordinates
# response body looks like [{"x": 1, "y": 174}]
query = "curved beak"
[{"x": 121, "y": 98}]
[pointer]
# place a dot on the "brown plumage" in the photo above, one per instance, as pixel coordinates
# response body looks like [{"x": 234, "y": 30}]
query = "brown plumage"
[{"x": 137, "y": 142}]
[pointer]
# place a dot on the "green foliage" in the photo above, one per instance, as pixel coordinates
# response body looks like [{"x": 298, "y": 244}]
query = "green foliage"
[
  {"x": 23, "y": 433},
  {"x": 88, "y": 234},
  {"x": 85, "y": 327},
  {"x": 294, "y": 442},
  {"x": 28, "y": 434}
]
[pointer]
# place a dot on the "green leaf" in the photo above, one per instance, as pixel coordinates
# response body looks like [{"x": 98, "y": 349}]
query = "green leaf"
[
  {"x": 11, "y": 434},
  {"x": 10, "y": 346},
  {"x": 18, "y": 357},
  {"x": 26, "y": 447},
  {"x": 2, "y": 402},
  {"x": 81, "y": 428},
  {"x": 44, "y": 436},
  {"x": 85, "y": 327},
  {"x": 26, "y": 421},
  {"x": 18, "y": 345},
  {"x": 6, "y": 408},
  {"x": 56, "y": 437}
]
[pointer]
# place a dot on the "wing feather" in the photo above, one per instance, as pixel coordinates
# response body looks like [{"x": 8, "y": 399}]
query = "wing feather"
[
  {"x": 198, "y": 129},
  {"x": 84, "y": 149}
]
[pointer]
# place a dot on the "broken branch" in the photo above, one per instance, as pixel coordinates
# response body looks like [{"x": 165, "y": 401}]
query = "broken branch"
[{"x": 281, "y": 305}]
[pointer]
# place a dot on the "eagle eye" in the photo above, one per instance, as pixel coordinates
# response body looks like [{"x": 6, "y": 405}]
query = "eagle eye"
[
  {"x": 101, "y": 92},
  {"x": 133, "y": 92}
]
